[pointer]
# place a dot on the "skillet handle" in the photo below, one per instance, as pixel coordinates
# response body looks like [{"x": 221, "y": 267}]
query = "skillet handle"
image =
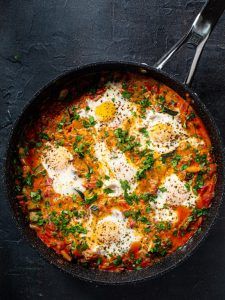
[{"x": 197, "y": 35}]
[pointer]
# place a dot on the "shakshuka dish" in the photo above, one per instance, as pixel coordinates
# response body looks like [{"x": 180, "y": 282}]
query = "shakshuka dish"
[{"x": 116, "y": 176}]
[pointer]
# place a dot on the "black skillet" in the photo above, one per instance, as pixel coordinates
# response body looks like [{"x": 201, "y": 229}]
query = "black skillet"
[{"x": 196, "y": 38}]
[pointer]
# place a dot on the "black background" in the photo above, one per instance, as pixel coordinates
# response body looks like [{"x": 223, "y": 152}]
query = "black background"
[{"x": 40, "y": 39}]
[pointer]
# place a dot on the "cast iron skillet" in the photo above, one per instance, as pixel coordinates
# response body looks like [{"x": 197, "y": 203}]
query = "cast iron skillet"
[{"x": 196, "y": 37}]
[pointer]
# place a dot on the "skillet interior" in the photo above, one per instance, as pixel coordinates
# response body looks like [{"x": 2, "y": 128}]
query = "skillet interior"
[{"x": 91, "y": 73}]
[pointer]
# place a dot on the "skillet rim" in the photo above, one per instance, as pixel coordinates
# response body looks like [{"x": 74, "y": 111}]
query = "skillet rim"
[{"x": 115, "y": 278}]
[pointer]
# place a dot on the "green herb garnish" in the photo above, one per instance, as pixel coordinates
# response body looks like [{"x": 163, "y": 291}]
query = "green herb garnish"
[
  {"x": 118, "y": 261},
  {"x": 147, "y": 165},
  {"x": 108, "y": 191},
  {"x": 90, "y": 123},
  {"x": 36, "y": 196}
]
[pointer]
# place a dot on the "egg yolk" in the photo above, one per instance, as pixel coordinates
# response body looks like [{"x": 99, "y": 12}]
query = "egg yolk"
[
  {"x": 105, "y": 111},
  {"x": 162, "y": 133},
  {"x": 108, "y": 232}
]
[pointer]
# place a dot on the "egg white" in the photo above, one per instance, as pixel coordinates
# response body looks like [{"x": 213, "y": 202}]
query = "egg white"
[{"x": 115, "y": 165}]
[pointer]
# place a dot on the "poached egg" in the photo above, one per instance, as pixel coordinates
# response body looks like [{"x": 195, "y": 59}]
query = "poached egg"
[{"x": 57, "y": 161}]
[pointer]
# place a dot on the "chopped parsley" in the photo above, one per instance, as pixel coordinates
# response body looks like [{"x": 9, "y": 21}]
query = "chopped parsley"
[
  {"x": 137, "y": 216},
  {"x": 28, "y": 180},
  {"x": 73, "y": 114},
  {"x": 36, "y": 196},
  {"x": 147, "y": 165},
  {"x": 62, "y": 222},
  {"x": 125, "y": 185},
  {"x": 99, "y": 183},
  {"x": 160, "y": 226},
  {"x": 99, "y": 261},
  {"x": 144, "y": 132},
  {"x": 161, "y": 99},
  {"x": 81, "y": 149},
  {"x": 148, "y": 197},
  {"x": 176, "y": 159},
  {"x": 201, "y": 159},
  {"x": 44, "y": 136},
  {"x": 133, "y": 113},
  {"x": 191, "y": 116},
  {"x": 196, "y": 213},
  {"x": 187, "y": 186},
  {"x": 108, "y": 191},
  {"x": 118, "y": 261},
  {"x": 60, "y": 125},
  {"x": 90, "y": 171},
  {"x": 78, "y": 228},
  {"x": 124, "y": 141},
  {"x": 144, "y": 220},
  {"x": 145, "y": 103},
  {"x": 130, "y": 198},
  {"x": 79, "y": 138},
  {"x": 162, "y": 189},
  {"x": 82, "y": 246},
  {"x": 199, "y": 183},
  {"x": 199, "y": 212},
  {"x": 126, "y": 94},
  {"x": 184, "y": 167},
  {"x": 161, "y": 247},
  {"x": 90, "y": 123}
]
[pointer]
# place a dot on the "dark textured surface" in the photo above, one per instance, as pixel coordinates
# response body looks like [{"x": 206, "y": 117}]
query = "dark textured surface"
[{"x": 41, "y": 39}]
